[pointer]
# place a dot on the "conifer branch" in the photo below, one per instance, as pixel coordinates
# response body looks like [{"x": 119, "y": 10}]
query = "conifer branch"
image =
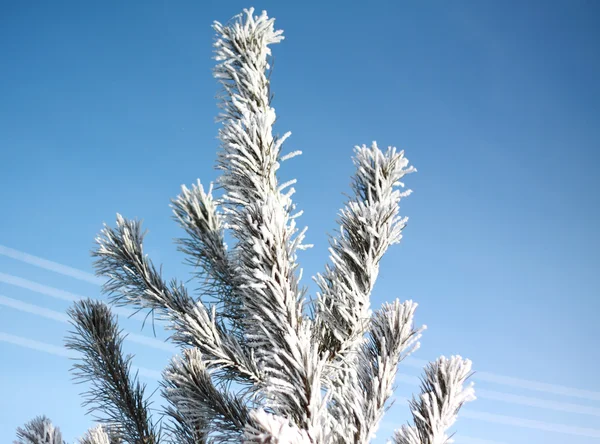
[
  {"x": 369, "y": 225},
  {"x": 442, "y": 395},
  {"x": 39, "y": 430},
  {"x": 363, "y": 386},
  {"x": 182, "y": 430},
  {"x": 100, "y": 435},
  {"x": 260, "y": 216},
  {"x": 197, "y": 213},
  {"x": 392, "y": 337},
  {"x": 133, "y": 280},
  {"x": 188, "y": 387},
  {"x": 116, "y": 395},
  {"x": 267, "y": 428}
]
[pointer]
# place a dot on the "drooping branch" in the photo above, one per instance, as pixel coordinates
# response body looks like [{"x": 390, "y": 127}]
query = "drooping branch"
[{"x": 116, "y": 396}]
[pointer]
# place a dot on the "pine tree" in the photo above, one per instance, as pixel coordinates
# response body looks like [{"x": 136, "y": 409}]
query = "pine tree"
[{"x": 259, "y": 362}]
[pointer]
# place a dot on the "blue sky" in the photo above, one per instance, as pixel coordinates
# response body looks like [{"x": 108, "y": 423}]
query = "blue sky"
[{"x": 109, "y": 107}]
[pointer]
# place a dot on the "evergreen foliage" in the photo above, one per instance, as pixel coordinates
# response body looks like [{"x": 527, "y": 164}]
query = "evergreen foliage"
[{"x": 259, "y": 362}]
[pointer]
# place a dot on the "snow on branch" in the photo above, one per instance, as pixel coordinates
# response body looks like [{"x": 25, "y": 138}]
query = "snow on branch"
[
  {"x": 369, "y": 224},
  {"x": 99, "y": 435},
  {"x": 188, "y": 387},
  {"x": 266, "y": 428},
  {"x": 261, "y": 219},
  {"x": 39, "y": 430},
  {"x": 182, "y": 430},
  {"x": 133, "y": 280},
  {"x": 196, "y": 211},
  {"x": 391, "y": 338},
  {"x": 442, "y": 395},
  {"x": 250, "y": 152},
  {"x": 363, "y": 389}
]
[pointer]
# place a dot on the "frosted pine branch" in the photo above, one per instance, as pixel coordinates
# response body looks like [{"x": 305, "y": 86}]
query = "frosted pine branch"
[
  {"x": 391, "y": 338},
  {"x": 182, "y": 430},
  {"x": 99, "y": 435},
  {"x": 260, "y": 216},
  {"x": 189, "y": 389},
  {"x": 197, "y": 213},
  {"x": 266, "y": 428},
  {"x": 133, "y": 280},
  {"x": 369, "y": 224},
  {"x": 443, "y": 392},
  {"x": 96, "y": 435},
  {"x": 362, "y": 392},
  {"x": 115, "y": 395},
  {"x": 39, "y": 430}
]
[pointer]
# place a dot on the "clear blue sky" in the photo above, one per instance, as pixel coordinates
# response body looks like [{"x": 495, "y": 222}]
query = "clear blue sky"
[{"x": 109, "y": 107}]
